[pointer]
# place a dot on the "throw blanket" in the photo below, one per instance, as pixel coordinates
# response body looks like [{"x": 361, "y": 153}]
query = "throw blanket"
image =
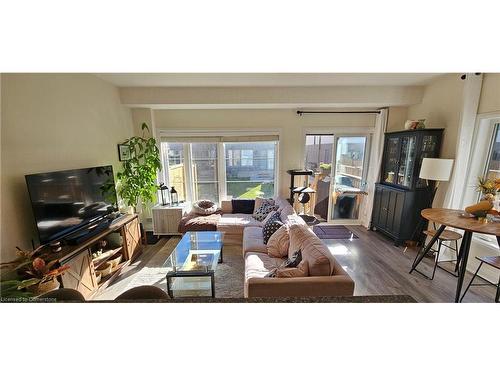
[{"x": 195, "y": 222}]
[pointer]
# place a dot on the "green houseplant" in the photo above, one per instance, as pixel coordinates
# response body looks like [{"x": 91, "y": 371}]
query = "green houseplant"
[{"x": 138, "y": 178}]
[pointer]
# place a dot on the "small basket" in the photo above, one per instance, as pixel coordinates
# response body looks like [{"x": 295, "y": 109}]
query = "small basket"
[
  {"x": 105, "y": 269},
  {"x": 115, "y": 261},
  {"x": 98, "y": 276}
]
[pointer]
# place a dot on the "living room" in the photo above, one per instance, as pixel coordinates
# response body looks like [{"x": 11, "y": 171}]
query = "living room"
[
  {"x": 246, "y": 177},
  {"x": 210, "y": 151}
]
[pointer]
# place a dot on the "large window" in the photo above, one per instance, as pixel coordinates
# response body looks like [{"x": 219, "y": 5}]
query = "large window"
[
  {"x": 220, "y": 170},
  {"x": 252, "y": 173}
]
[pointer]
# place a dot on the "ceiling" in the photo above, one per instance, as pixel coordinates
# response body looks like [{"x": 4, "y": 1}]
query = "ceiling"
[{"x": 266, "y": 79}]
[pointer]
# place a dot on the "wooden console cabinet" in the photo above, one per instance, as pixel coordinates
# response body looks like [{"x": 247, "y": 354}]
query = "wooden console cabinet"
[{"x": 81, "y": 275}]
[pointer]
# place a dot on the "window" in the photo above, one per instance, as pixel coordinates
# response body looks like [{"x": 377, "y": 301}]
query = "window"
[
  {"x": 493, "y": 165},
  {"x": 254, "y": 173},
  {"x": 220, "y": 170},
  {"x": 205, "y": 175},
  {"x": 173, "y": 167}
]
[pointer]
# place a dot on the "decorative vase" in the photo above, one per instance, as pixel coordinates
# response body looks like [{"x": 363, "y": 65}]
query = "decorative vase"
[{"x": 44, "y": 287}]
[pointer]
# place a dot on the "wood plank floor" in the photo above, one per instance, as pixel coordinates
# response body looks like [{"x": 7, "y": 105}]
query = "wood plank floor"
[
  {"x": 376, "y": 265},
  {"x": 379, "y": 267}
]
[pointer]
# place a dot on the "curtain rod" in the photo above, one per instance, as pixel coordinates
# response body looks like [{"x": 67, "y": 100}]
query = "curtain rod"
[{"x": 300, "y": 113}]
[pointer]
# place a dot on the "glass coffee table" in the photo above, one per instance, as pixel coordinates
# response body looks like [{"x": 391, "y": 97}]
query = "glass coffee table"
[{"x": 191, "y": 266}]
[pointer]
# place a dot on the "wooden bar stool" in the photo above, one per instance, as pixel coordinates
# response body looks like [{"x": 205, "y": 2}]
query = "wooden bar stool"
[
  {"x": 446, "y": 236},
  {"x": 493, "y": 262}
]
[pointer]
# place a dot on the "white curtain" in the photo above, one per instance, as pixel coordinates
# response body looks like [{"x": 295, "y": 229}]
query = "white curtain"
[
  {"x": 470, "y": 102},
  {"x": 377, "y": 149}
]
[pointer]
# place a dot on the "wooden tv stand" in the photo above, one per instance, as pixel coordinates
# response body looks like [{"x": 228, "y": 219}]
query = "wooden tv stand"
[{"x": 81, "y": 275}]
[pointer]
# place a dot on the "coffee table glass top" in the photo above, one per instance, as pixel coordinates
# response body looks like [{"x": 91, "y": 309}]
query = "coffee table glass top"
[
  {"x": 192, "y": 264},
  {"x": 196, "y": 251}
]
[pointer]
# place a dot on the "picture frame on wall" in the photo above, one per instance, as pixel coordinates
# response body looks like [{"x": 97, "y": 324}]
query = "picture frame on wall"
[{"x": 124, "y": 152}]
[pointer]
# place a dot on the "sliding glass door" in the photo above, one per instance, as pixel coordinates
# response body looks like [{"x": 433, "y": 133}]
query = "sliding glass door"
[
  {"x": 319, "y": 153},
  {"x": 339, "y": 165},
  {"x": 349, "y": 182}
]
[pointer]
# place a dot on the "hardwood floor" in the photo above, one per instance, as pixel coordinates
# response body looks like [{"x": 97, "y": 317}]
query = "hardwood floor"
[
  {"x": 376, "y": 265},
  {"x": 379, "y": 267}
]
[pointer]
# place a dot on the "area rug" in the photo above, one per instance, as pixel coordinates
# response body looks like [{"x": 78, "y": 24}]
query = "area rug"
[
  {"x": 333, "y": 232},
  {"x": 149, "y": 270}
]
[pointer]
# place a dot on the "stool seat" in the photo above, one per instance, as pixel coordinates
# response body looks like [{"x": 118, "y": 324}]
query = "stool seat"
[
  {"x": 492, "y": 261},
  {"x": 447, "y": 235}
]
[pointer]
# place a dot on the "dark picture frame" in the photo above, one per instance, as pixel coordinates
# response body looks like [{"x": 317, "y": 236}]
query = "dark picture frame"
[{"x": 124, "y": 152}]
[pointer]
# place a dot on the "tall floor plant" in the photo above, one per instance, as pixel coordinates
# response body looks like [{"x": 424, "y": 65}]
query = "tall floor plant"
[{"x": 137, "y": 181}]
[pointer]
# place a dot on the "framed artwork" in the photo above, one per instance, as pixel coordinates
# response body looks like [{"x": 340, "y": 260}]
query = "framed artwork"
[{"x": 123, "y": 152}]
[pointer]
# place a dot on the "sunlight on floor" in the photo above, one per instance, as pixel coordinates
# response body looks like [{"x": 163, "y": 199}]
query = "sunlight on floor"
[{"x": 339, "y": 249}]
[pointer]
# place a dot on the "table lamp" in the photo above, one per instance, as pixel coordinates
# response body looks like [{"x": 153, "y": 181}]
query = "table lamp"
[{"x": 433, "y": 169}]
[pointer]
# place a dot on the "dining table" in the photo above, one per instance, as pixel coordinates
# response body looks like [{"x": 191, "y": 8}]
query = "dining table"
[{"x": 461, "y": 220}]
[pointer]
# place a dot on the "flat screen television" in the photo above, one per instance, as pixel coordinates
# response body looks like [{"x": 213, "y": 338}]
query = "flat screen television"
[{"x": 66, "y": 201}]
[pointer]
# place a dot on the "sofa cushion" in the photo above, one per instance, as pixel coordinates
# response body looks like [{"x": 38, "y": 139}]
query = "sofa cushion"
[
  {"x": 302, "y": 270},
  {"x": 261, "y": 213},
  {"x": 243, "y": 206},
  {"x": 226, "y": 207},
  {"x": 271, "y": 226},
  {"x": 295, "y": 219},
  {"x": 235, "y": 223},
  {"x": 319, "y": 258},
  {"x": 278, "y": 244},
  {"x": 286, "y": 211},
  {"x": 253, "y": 241},
  {"x": 259, "y": 265}
]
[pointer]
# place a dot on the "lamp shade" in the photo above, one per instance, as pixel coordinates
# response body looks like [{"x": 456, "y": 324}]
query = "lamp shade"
[{"x": 436, "y": 169}]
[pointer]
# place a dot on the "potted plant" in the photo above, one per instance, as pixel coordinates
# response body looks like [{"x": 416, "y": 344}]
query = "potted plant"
[
  {"x": 30, "y": 274},
  {"x": 137, "y": 181}
]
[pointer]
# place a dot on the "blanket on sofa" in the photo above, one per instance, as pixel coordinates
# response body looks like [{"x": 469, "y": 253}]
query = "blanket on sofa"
[{"x": 195, "y": 222}]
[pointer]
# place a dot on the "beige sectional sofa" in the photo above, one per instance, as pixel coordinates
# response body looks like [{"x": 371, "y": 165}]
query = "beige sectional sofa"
[{"x": 326, "y": 276}]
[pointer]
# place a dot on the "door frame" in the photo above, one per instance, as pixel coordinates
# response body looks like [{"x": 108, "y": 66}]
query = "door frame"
[{"x": 339, "y": 131}]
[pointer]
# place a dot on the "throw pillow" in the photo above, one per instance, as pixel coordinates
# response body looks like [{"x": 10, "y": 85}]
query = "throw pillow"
[
  {"x": 278, "y": 243},
  {"x": 243, "y": 206},
  {"x": 271, "y": 226},
  {"x": 302, "y": 270},
  {"x": 259, "y": 201},
  {"x": 204, "y": 207},
  {"x": 263, "y": 210}
]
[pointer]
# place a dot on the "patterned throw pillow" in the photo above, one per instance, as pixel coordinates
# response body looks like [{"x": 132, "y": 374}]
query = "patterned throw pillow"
[
  {"x": 261, "y": 213},
  {"x": 271, "y": 226}
]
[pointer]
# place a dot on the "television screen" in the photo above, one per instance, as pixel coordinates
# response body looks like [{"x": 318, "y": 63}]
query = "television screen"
[{"x": 66, "y": 201}]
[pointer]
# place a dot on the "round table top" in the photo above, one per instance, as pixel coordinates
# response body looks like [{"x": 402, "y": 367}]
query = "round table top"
[{"x": 453, "y": 218}]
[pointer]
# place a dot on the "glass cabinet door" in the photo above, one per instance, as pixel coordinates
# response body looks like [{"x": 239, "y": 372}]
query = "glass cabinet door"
[
  {"x": 407, "y": 161},
  {"x": 391, "y": 160},
  {"x": 429, "y": 149}
]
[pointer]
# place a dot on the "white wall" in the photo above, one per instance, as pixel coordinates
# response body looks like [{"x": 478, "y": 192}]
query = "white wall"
[
  {"x": 490, "y": 93},
  {"x": 440, "y": 107},
  {"x": 52, "y": 122},
  {"x": 291, "y": 126}
]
